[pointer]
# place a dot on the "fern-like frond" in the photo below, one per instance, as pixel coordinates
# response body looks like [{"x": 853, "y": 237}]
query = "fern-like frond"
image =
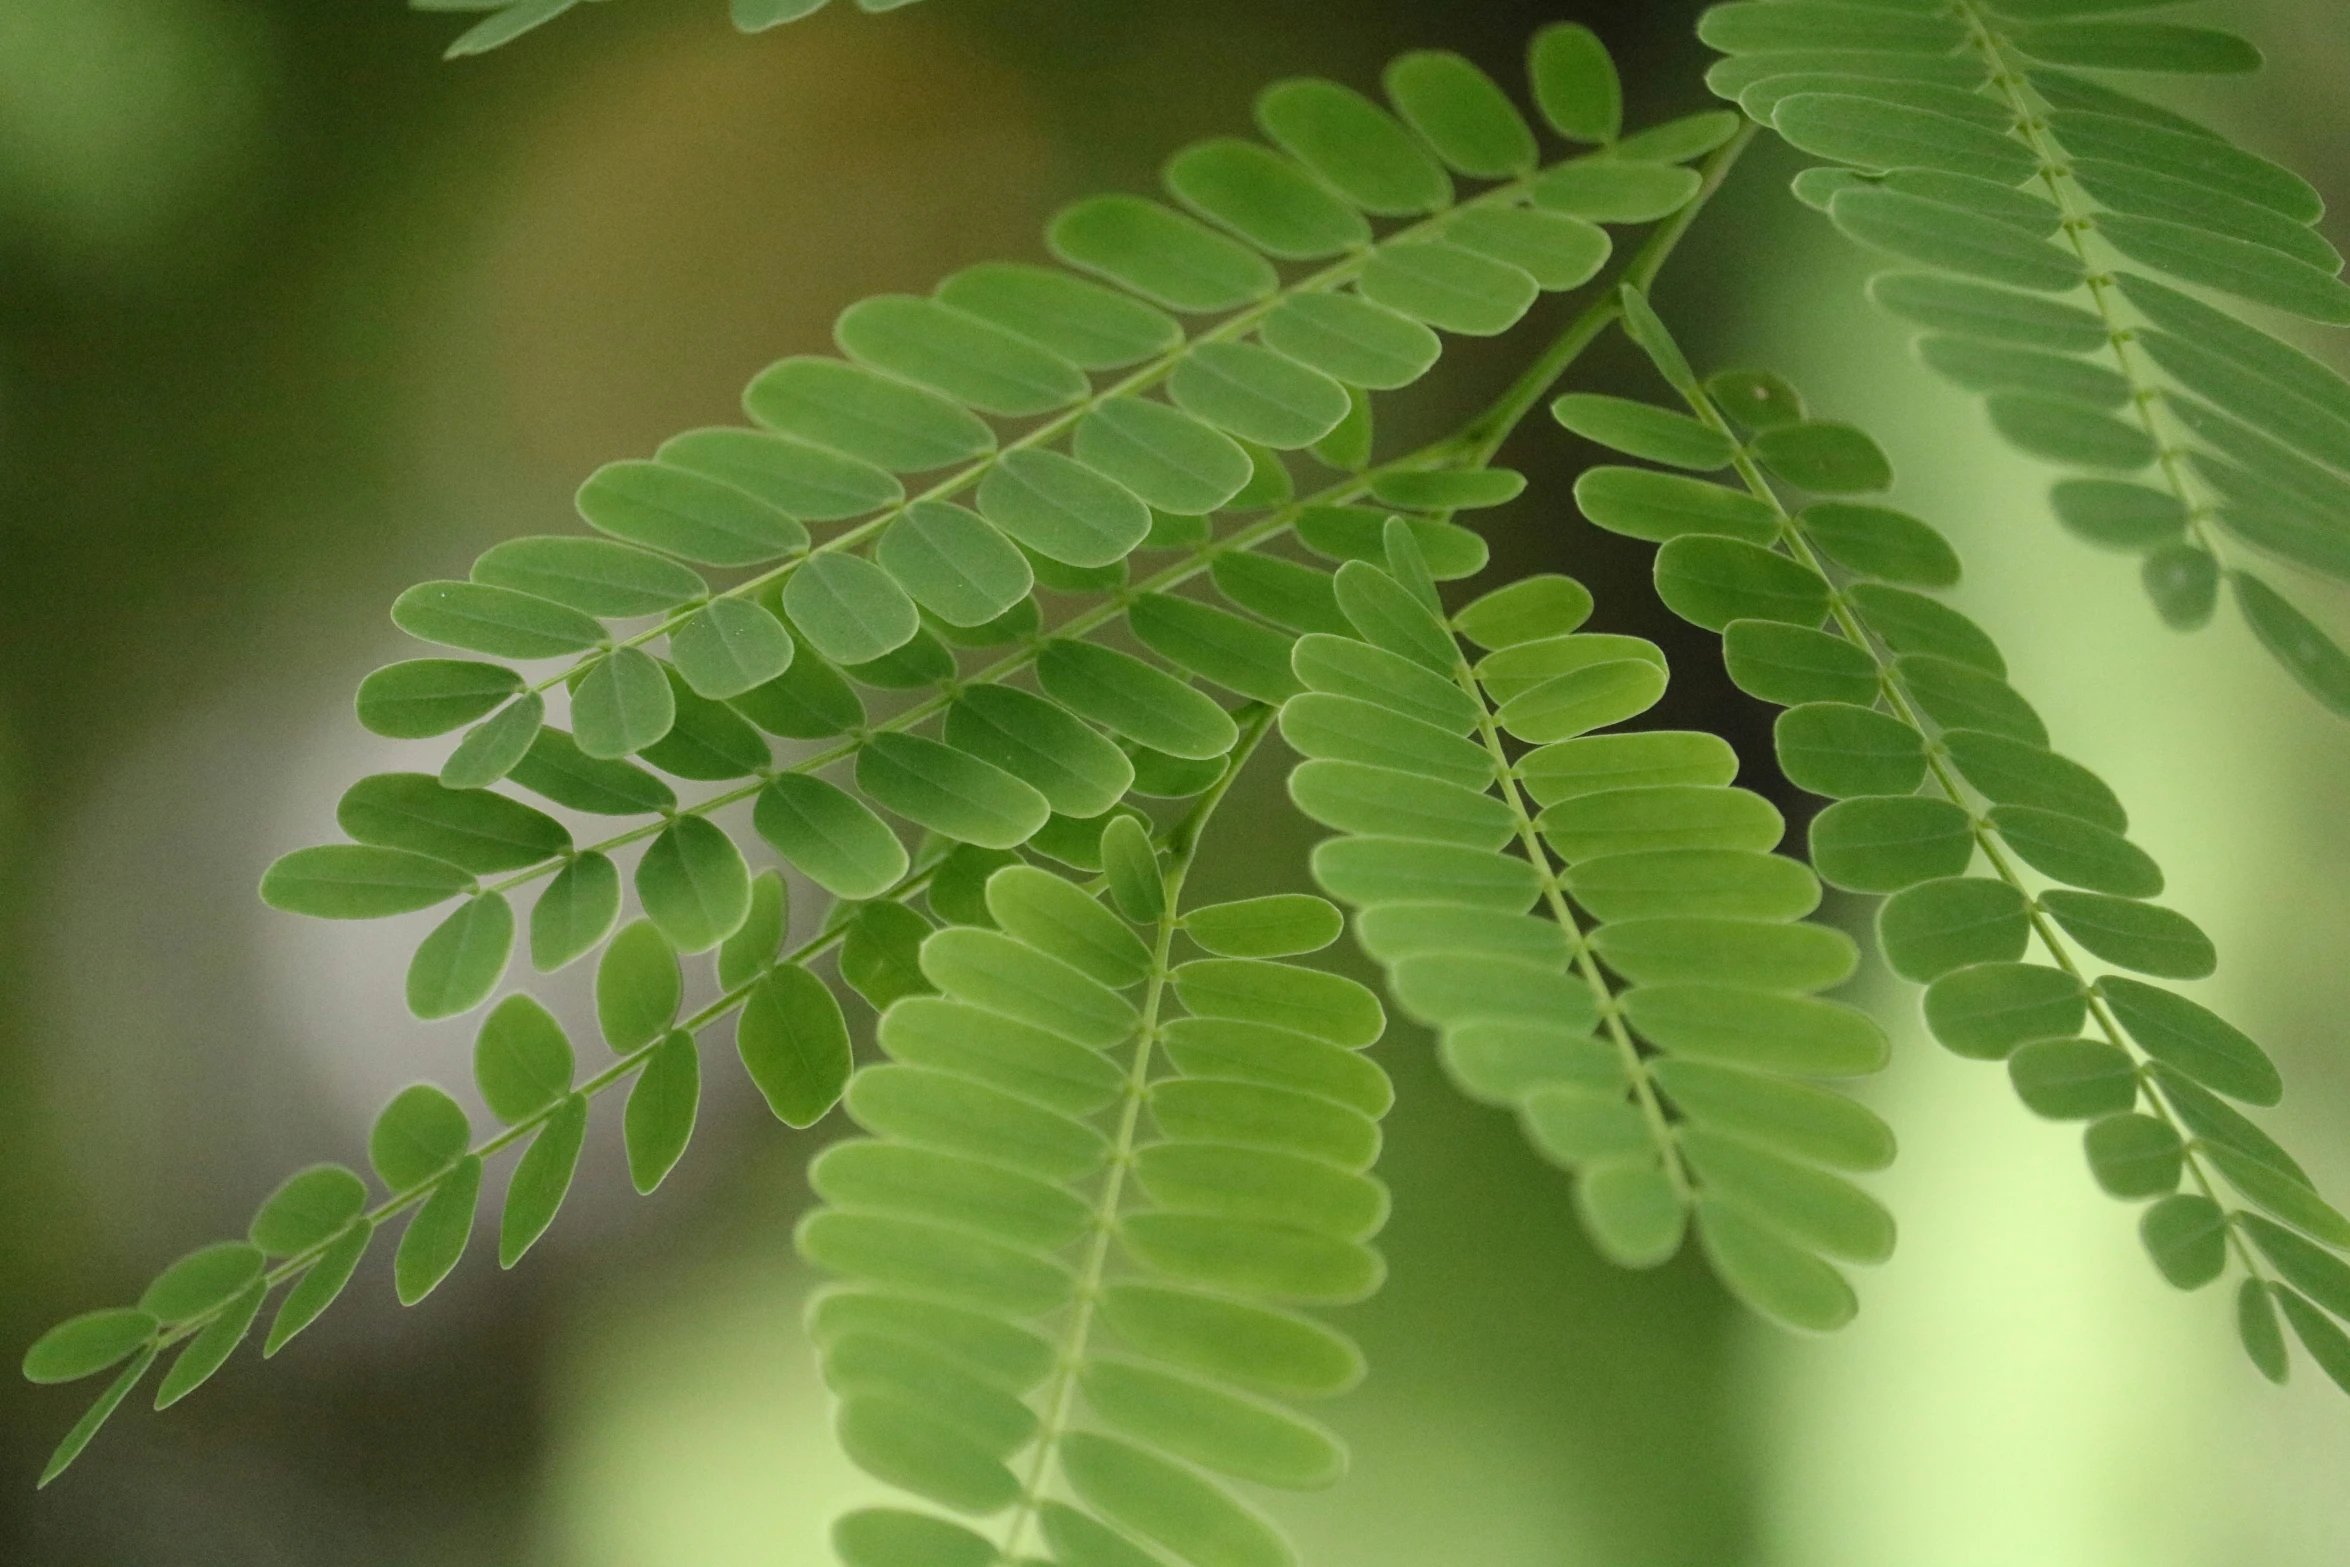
[
  {"x": 1101, "y": 1177},
  {"x": 1900, "y": 713},
  {"x": 1595, "y": 926},
  {"x": 2072, "y": 227},
  {"x": 1084, "y": 425}
]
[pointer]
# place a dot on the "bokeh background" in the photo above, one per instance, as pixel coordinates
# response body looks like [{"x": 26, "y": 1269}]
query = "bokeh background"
[{"x": 293, "y": 314}]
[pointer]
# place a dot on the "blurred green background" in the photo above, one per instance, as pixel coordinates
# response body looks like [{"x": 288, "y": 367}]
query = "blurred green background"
[{"x": 292, "y": 314}]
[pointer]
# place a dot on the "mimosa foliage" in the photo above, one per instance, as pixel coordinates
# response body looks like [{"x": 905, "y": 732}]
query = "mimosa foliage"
[{"x": 1024, "y": 577}]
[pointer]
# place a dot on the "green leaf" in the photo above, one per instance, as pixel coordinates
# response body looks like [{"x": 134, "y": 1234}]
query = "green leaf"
[
  {"x": 1810, "y": 1207},
  {"x": 417, "y": 1136},
  {"x": 709, "y": 739},
  {"x": 2194, "y": 1039},
  {"x": 1913, "y": 623},
  {"x": 1170, "y": 1505},
  {"x": 1753, "y": 954},
  {"x": 2326, "y": 1343},
  {"x": 1825, "y": 458},
  {"x": 849, "y": 609},
  {"x": 1240, "y": 1436},
  {"x": 1755, "y": 399},
  {"x": 1790, "y": 665},
  {"x": 1084, "y": 323},
  {"x": 730, "y": 647},
  {"x": 461, "y": 961},
  {"x": 1265, "y": 199},
  {"x": 861, "y": 414},
  {"x": 1883, "y": 141},
  {"x": 431, "y": 696},
  {"x": 690, "y": 515},
  {"x": 556, "y": 768},
  {"x": 638, "y": 987},
  {"x": 1341, "y": 728},
  {"x": 2292, "y": 638},
  {"x": 1344, "y": 533},
  {"x": 1241, "y": 1342},
  {"x": 1959, "y": 696},
  {"x": 1132, "y": 865},
  {"x": 2073, "y": 1079},
  {"x": 985, "y": 1348},
  {"x": 1775, "y": 1277},
  {"x": 1735, "y": 884},
  {"x": 1380, "y": 801},
  {"x": 949, "y": 791},
  {"x": 1753, "y": 28},
  {"x": 2064, "y": 432},
  {"x": 595, "y": 576},
  {"x": 2280, "y": 1194},
  {"x": 542, "y": 1178},
  {"x": 1447, "y": 286},
  {"x": 1078, "y": 772},
  {"x": 1575, "y": 83},
  {"x": 1513, "y": 671},
  {"x": 2256, "y": 1327},
  {"x": 2144, "y": 193},
  {"x": 1593, "y": 697},
  {"x": 1347, "y": 448},
  {"x": 1354, "y": 145},
  {"x": 2133, "y": 1156},
  {"x": 881, "y": 957},
  {"x": 1459, "y": 111},
  {"x": 694, "y": 885},
  {"x": 574, "y": 913},
  {"x": 1797, "y": 1119},
  {"x": 1645, "y": 431},
  {"x": 347, "y": 881},
  {"x": 1368, "y": 871},
  {"x": 1351, "y": 339},
  {"x": 492, "y": 620},
  {"x": 1284, "y": 592},
  {"x": 1952, "y": 239},
  {"x": 1387, "y": 614},
  {"x": 886, "y": 1537},
  {"x": 830, "y": 837},
  {"x": 2076, "y": 852},
  {"x": 969, "y": 360},
  {"x": 1827, "y": 55},
  {"x": 2318, "y": 1274},
  {"x": 508, "y": 23},
  {"x": 1554, "y": 249},
  {"x": 751, "y": 950},
  {"x": 2135, "y": 935},
  {"x": 1595, "y": 763},
  {"x": 953, "y": 564},
  {"x": 2198, "y": 159},
  {"x": 1983, "y": 313},
  {"x": 1876, "y": 133},
  {"x": 436, "y": 1237},
  {"x": 1004, "y": 975},
  {"x": 1308, "y": 1001},
  {"x": 1602, "y": 189},
  {"x": 1713, "y": 581},
  {"x": 1134, "y": 699},
  {"x": 1671, "y": 816},
  {"x": 317, "y": 1289},
  {"x": 970, "y": 1195},
  {"x": 1062, "y": 510},
  {"x": 1839, "y": 750},
  {"x": 2118, "y": 515},
  {"x": 1054, "y": 917},
  {"x": 308, "y": 1208},
  {"x": 472, "y": 828},
  {"x": 492, "y": 749},
  {"x": 86, "y": 1345},
  {"x": 929, "y": 1258},
  {"x": 2138, "y": 46},
  {"x": 1342, "y": 666},
  {"x": 1024, "y": 1061},
  {"x": 522, "y": 1061},
  {"x": 1662, "y": 506},
  {"x": 659, "y": 1121},
  {"x": 1161, "y": 454},
  {"x": 1984, "y": 1011},
  {"x": 1632, "y": 1213},
  {"x": 1214, "y": 644},
  {"x": 1875, "y": 541},
  {"x": 950, "y": 1114},
  {"x": 1770, "y": 1033},
  {"x": 210, "y": 1349},
  {"x": 1887, "y": 843},
  {"x": 1531, "y": 609},
  {"x": 806, "y": 482},
  {"x": 1934, "y": 927},
  {"x": 2010, "y": 772},
  {"x": 1160, "y": 254},
  {"x": 1276, "y": 926},
  {"x": 1229, "y": 1049},
  {"x": 97, "y": 1414}
]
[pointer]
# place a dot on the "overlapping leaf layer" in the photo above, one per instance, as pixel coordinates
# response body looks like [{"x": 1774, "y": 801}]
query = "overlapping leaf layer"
[
  {"x": 2073, "y": 231},
  {"x": 1949, "y": 800}
]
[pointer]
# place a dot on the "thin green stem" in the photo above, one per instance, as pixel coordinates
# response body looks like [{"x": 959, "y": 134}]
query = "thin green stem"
[
  {"x": 1061, "y": 1395},
  {"x": 1611, "y": 1012}
]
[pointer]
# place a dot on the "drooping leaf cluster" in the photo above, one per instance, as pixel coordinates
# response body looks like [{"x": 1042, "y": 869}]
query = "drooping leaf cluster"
[
  {"x": 1949, "y": 800},
  {"x": 2072, "y": 229}
]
